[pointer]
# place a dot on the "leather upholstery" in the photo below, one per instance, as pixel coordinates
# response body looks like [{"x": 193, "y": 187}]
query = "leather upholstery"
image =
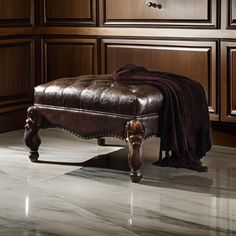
[
  {"x": 100, "y": 93},
  {"x": 93, "y": 125},
  {"x": 95, "y": 107}
]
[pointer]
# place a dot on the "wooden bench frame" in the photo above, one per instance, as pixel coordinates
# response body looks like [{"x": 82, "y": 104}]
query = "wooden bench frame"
[{"x": 131, "y": 129}]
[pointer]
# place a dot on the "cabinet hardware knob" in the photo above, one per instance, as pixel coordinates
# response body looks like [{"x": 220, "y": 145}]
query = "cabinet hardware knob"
[{"x": 153, "y": 4}]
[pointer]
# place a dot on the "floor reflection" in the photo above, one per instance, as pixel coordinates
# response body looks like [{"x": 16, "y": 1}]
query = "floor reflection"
[{"x": 78, "y": 188}]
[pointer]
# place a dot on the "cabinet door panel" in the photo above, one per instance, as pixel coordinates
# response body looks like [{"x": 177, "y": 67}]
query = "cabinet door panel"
[
  {"x": 232, "y": 13},
  {"x": 228, "y": 82},
  {"x": 16, "y": 74},
  {"x": 66, "y": 12},
  {"x": 195, "y": 60},
  {"x": 14, "y": 12},
  {"x": 172, "y": 12},
  {"x": 69, "y": 57}
]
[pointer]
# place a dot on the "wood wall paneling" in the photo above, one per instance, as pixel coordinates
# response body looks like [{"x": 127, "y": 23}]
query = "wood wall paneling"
[
  {"x": 196, "y": 60},
  {"x": 232, "y": 14},
  {"x": 16, "y": 74},
  {"x": 175, "y": 13},
  {"x": 68, "y": 57},
  {"x": 228, "y": 82},
  {"x": 12, "y": 120},
  {"x": 69, "y": 12},
  {"x": 185, "y": 51},
  {"x": 16, "y": 12}
]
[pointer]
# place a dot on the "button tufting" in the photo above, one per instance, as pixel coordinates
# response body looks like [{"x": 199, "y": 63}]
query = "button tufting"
[{"x": 125, "y": 99}]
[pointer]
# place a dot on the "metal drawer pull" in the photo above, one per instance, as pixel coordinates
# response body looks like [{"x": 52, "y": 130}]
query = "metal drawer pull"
[{"x": 153, "y": 4}]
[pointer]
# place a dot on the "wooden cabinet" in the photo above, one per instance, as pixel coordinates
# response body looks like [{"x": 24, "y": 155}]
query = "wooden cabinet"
[
  {"x": 16, "y": 74},
  {"x": 232, "y": 14},
  {"x": 228, "y": 81},
  {"x": 195, "y": 38},
  {"x": 17, "y": 62},
  {"x": 68, "y": 57},
  {"x": 16, "y": 12},
  {"x": 194, "y": 59},
  {"x": 69, "y": 12},
  {"x": 174, "y": 13}
]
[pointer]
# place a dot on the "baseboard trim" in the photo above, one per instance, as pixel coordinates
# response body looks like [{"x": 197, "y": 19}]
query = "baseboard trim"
[{"x": 12, "y": 120}]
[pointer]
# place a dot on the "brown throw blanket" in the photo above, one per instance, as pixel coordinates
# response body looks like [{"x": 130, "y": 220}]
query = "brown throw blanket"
[{"x": 184, "y": 125}]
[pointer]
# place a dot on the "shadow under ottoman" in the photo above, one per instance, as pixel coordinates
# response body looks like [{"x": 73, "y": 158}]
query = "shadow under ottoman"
[{"x": 95, "y": 106}]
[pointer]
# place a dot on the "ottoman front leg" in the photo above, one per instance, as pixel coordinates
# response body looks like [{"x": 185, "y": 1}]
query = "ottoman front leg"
[
  {"x": 31, "y": 137},
  {"x": 135, "y": 138}
]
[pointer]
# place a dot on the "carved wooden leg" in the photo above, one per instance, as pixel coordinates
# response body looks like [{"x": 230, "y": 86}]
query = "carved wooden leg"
[
  {"x": 135, "y": 137},
  {"x": 31, "y": 137}
]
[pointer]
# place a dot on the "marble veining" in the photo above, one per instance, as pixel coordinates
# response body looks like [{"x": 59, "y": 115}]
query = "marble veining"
[{"x": 58, "y": 196}]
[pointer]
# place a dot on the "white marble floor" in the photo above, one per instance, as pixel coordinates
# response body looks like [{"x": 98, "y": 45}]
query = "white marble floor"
[{"x": 58, "y": 197}]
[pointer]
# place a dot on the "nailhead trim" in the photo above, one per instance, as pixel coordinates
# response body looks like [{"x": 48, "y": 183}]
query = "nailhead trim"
[{"x": 93, "y": 136}]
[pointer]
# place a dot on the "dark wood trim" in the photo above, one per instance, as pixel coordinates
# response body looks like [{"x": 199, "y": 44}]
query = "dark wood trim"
[
  {"x": 12, "y": 120},
  {"x": 224, "y": 127},
  {"x": 148, "y": 33},
  {"x": 228, "y": 114},
  {"x": 32, "y": 15},
  {"x": 223, "y": 139},
  {"x": 224, "y": 134},
  {"x": 38, "y": 60},
  {"x": 20, "y": 31}
]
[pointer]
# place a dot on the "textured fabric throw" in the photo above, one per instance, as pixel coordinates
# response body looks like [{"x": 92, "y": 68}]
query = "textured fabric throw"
[{"x": 184, "y": 125}]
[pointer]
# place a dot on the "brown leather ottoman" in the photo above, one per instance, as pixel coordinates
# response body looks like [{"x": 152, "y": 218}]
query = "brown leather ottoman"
[{"x": 95, "y": 106}]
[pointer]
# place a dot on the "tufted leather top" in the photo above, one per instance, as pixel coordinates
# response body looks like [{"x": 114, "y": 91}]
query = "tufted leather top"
[{"x": 100, "y": 93}]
